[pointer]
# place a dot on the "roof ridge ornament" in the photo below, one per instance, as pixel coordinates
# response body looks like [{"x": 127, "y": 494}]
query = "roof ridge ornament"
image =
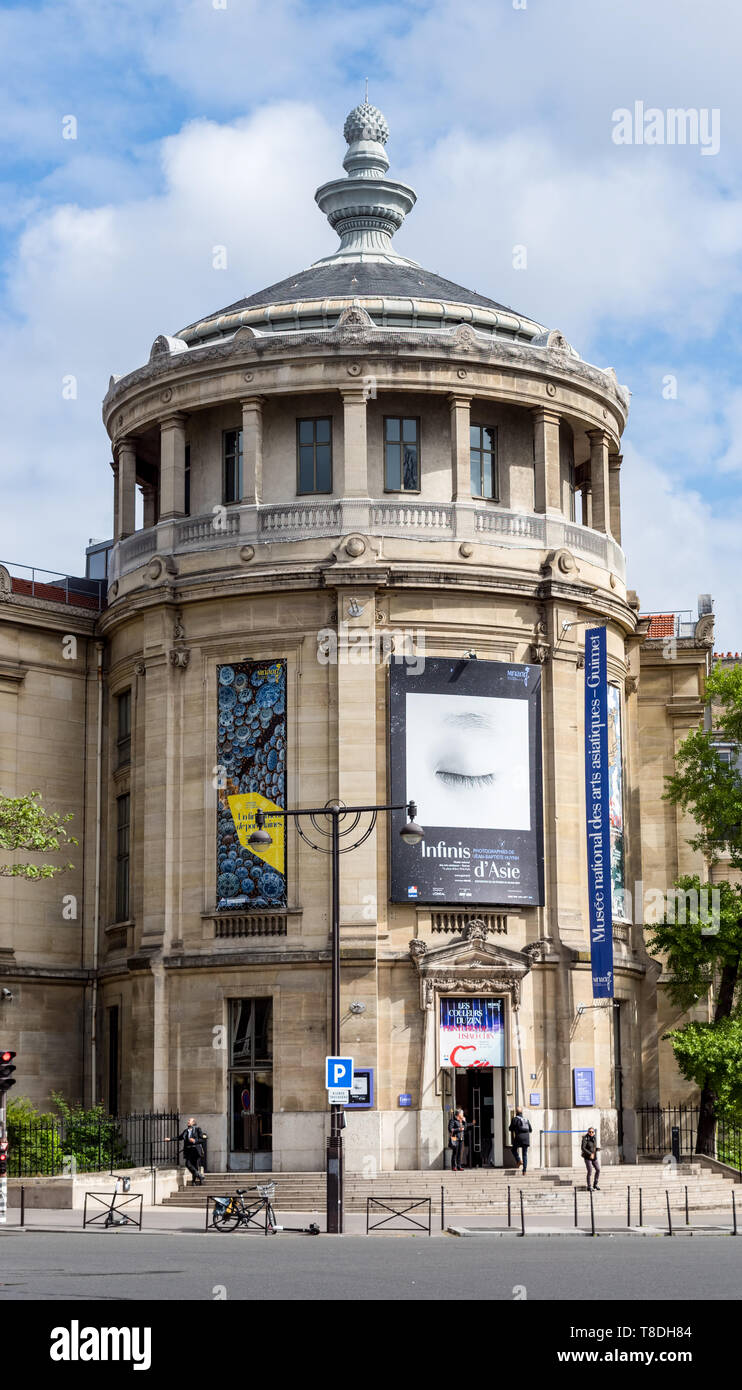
[{"x": 365, "y": 208}]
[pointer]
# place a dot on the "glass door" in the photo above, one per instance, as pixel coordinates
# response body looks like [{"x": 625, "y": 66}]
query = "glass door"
[{"x": 251, "y": 1085}]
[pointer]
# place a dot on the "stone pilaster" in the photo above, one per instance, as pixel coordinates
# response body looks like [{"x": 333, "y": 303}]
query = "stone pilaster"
[
  {"x": 172, "y": 467},
  {"x": 252, "y": 450},
  {"x": 126, "y": 490},
  {"x": 353, "y": 481},
  {"x": 547, "y": 461},
  {"x": 460, "y": 447},
  {"x": 149, "y": 507},
  {"x": 614, "y": 493}
]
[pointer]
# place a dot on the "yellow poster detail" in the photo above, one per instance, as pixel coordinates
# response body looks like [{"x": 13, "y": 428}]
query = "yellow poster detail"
[{"x": 243, "y": 808}]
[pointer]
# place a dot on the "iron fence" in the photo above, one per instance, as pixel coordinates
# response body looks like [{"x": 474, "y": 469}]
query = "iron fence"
[
  {"x": 656, "y": 1123},
  {"x": 50, "y": 1147}
]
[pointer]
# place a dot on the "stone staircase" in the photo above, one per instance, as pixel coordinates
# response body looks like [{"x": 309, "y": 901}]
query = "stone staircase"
[{"x": 549, "y": 1191}]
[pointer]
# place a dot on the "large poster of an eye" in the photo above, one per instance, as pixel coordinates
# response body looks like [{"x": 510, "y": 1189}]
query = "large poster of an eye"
[
  {"x": 466, "y": 747},
  {"x": 251, "y": 756}
]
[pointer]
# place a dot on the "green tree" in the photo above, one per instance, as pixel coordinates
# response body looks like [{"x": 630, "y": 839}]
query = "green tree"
[
  {"x": 698, "y": 959},
  {"x": 26, "y": 826}
]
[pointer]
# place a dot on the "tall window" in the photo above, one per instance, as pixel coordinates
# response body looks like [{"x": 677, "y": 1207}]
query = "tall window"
[
  {"x": 123, "y": 811},
  {"x": 123, "y": 726},
  {"x": 401, "y": 454},
  {"x": 483, "y": 457},
  {"x": 232, "y": 467},
  {"x": 572, "y": 475},
  {"x": 187, "y": 502},
  {"x": 314, "y": 455}
]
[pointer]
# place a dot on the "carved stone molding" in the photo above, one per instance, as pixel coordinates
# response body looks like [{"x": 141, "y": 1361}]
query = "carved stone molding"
[
  {"x": 179, "y": 658},
  {"x": 139, "y": 668},
  {"x": 631, "y": 684},
  {"x": 6, "y": 584},
  {"x": 471, "y": 964}
]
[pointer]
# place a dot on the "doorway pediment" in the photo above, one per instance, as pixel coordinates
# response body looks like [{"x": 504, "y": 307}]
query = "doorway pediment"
[{"x": 471, "y": 964}]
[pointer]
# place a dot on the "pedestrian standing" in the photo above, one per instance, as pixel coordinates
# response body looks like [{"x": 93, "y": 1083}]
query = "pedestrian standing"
[
  {"x": 520, "y": 1134},
  {"x": 192, "y": 1138},
  {"x": 590, "y": 1151},
  {"x": 456, "y": 1132}
]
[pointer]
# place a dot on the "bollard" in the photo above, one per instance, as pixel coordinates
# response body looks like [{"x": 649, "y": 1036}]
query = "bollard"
[
  {"x": 687, "y": 1221},
  {"x": 23, "y": 1205},
  {"x": 522, "y": 1215},
  {"x": 509, "y": 1214},
  {"x": 734, "y": 1213},
  {"x": 628, "y": 1206},
  {"x": 641, "y": 1209},
  {"x": 669, "y": 1214},
  {"x": 592, "y": 1213},
  {"x": 575, "y": 1205},
  {"x": 443, "y": 1208}
]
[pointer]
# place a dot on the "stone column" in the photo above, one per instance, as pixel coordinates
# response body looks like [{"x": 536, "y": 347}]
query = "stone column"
[
  {"x": 599, "y": 444},
  {"x": 149, "y": 509},
  {"x": 116, "y": 527},
  {"x": 614, "y": 493},
  {"x": 172, "y": 467},
  {"x": 587, "y": 504},
  {"x": 126, "y": 491},
  {"x": 252, "y": 450},
  {"x": 547, "y": 461},
  {"x": 460, "y": 448},
  {"x": 352, "y": 480}
]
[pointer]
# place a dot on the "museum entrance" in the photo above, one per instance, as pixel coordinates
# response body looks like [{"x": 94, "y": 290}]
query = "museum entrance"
[
  {"x": 250, "y": 1105},
  {"x": 480, "y": 1093}
]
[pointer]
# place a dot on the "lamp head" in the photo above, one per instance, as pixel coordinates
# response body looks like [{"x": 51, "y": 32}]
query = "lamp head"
[
  {"x": 412, "y": 833},
  {"x": 260, "y": 839}
]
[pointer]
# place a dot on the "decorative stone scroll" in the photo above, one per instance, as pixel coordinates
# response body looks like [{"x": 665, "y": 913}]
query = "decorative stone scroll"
[{"x": 472, "y": 964}]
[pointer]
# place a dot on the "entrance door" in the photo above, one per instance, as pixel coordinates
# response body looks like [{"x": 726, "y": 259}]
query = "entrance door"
[
  {"x": 475, "y": 1093},
  {"x": 250, "y": 1103}
]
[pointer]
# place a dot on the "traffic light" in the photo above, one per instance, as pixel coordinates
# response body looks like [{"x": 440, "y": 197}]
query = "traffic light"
[
  {"x": 6, "y": 1071},
  {"x": 4, "y": 1146}
]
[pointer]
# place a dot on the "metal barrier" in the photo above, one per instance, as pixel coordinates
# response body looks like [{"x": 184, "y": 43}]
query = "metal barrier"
[
  {"x": 413, "y": 1204},
  {"x": 112, "y": 1213}
]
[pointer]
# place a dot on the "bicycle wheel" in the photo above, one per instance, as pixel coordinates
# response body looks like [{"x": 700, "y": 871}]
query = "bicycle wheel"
[
  {"x": 272, "y": 1222},
  {"x": 225, "y": 1218}
]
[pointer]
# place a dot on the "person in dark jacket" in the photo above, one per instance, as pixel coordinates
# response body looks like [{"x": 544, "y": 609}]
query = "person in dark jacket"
[
  {"x": 192, "y": 1139},
  {"x": 590, "y": 1151},
  {"x": 456, "y": 1133},
  {"x": 520, "y": 1134}
]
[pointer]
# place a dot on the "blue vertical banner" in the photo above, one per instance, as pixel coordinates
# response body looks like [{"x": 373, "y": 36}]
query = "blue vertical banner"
[{"x": 597, "y": 808}]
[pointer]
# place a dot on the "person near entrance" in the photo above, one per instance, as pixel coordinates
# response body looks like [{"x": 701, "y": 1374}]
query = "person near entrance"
[
  {"x": 192, "y": 1138},
  {"x": 456, "y": 1132},
  {"x": 520, "y": 1133},
  {"x": 590, "y": 1151}
]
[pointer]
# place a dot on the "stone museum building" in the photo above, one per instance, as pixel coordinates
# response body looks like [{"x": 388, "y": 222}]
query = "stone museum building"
[{"x": 364, "y": 484}]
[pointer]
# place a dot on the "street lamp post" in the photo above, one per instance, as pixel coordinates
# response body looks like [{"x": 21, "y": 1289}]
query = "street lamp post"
[{"x": 260, "y": 839}]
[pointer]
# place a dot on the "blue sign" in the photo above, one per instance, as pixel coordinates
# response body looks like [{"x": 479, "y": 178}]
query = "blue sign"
[
  {"x": 584, "y": 1084},
  {"x": 405, "y": 1099},
  {"x": 597, "y": 809},
  {"x": 339, "y": 1073},
  {"x": 535, "y": 1098},
  {"x": 362, "y": 1090}
]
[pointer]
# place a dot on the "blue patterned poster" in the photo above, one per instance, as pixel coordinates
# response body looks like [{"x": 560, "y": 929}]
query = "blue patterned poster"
[
  {"x": 597, "y": 807},
  {"x": 251, "y": 755}
]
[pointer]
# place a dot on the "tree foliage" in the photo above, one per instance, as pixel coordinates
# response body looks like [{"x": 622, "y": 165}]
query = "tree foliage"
[
  {"x": 711, "y": 1055},
  {"x": 703, "y": 783},
  {"x": 26, "y": 826}
]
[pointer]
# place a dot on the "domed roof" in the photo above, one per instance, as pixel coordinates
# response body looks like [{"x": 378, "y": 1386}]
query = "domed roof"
[{"x": 366, "y": 208}]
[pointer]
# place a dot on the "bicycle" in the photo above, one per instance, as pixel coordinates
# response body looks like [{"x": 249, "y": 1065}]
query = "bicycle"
[{"x": 231, "y": 1212}]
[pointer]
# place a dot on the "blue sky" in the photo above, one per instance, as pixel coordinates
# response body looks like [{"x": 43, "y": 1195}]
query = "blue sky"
[{"x": 202, "y": 124}]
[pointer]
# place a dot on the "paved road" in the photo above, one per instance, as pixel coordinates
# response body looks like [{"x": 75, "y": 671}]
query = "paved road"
[{"x": 104, "y": 1266}]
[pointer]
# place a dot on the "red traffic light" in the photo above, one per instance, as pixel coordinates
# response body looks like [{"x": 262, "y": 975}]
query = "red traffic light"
[
  {"x": 6, "y": 1071},
  {"x": 6, "y": 1056}
]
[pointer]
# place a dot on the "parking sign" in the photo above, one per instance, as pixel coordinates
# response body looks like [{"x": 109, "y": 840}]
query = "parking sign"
[{"x": 339, "y": 1073}]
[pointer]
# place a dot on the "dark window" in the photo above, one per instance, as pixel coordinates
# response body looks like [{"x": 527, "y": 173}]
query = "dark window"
[
  {"x": 113, "y": 1059},
  {"x": 123, "y": 734},
  {"x": 572, "y": 490},
  {"x": 187, "y": 489},
  {"x": 401, "y": 454},
  {"x": 123, "y": 805},
  {"x": 314, "y": 455},
  {"x": 483, "y": 456},
  {"x": 232, "y": 469}
]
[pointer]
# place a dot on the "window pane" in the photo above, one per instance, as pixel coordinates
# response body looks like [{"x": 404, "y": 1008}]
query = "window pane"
[
  {"x": 476, "y": 474},
  {"x": 306, "y": 468},
  {"x": 409, "y": 431},
  {"x": 475, "y": 432},
  {"x": 229, "y": 479},
  {"x": 393, "y": 479},
  {"x": 323, "y": 431},
  {"x": 487, "y": 489},
  {"x": 324, "y": 475},
  {"x": 410, "y": 466},
  {"x": 392, "y": 428},
  {"x": 306, "y": 431},
  {"x": 488, "y": 438}
]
